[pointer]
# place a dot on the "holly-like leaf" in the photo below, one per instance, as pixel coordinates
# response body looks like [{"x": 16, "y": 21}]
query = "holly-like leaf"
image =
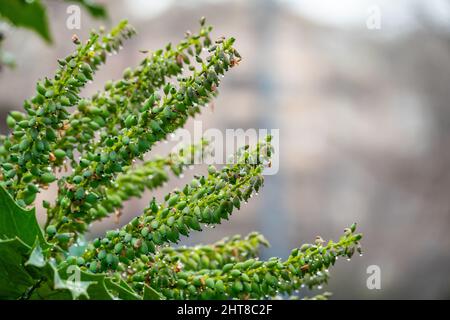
[
  {"x": 25, "y": 271},
  {"x": 27, "y": 14},
  {"x": 121, "y": 290},
  {"x": 16, "y": 222},
  {"x": 14, "y": 278},
  {"x": 151, "y": 294},
  {"x": 70, "y": 282},
  {"x": 19, "y": 234}
]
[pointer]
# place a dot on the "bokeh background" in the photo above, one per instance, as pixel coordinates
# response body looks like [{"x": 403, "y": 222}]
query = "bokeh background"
[{"x": 363, "y": 113}]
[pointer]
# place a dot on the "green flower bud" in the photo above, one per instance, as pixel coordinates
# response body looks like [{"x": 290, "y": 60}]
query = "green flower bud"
[
  {"x": 49, "y": 93},
  {"x": 59, "y": 153},
  {"x": 17, "y": 115},
  {"x": 235, "y": 273},
  {"x": 195, "y": 183},
  {"x": 64, "y": 101},
  {"x": 84, "y": 163},
  {"x": 93, "y": 267},
  {"x": 237, "y": 286},
  {"x": 32, "y": 188},
  {"x": 118, "y": 248},
  {"x": 10, "y": 174},
  {"x": 170, "y": 220},
  {"x": 127, "y": 73},
  {"x": 173, "y": 200},
  {"x": 63, "y": 237},
  {"x": 110, "y": 258},
  {"x": 192, "y": 290},
  {"x": 24, "y": 144},
  {"x": 102, "y": 255},
  {"x": 79, "y": 194},
  {"x": 48, "y": 178},
  {"x": 7, "y": 166},
  {"x": 10, "y": 122},
  {"x": 96, "y": 242},
  {"x": 50, "y": 134},
  {"x": 193, "y": 223},
  {"x": 181, "y": 205},
  {"x": 219, "y": 286},
  {"x": 271, "y": 280},
  {"x": 181, "y": 283},
  {"x": 87, "y": 174},
  {"x": 210, "y": 283},
  {"x": 86, "y": 68},
  {"x": 357, "y": 237},
  {"x": 305, "y": 247},
  {"x": 144, "y": 248},
  {"x": 197, "y": 281},
  {"x": 130, "y": 121},
  {"x": 154, "y": 224},
  {"x": 46, "y": 204},
  {"x": 145, "y": 231},
  {"x": 227, "y": 267},
  {"x": 212, "y": 169},
  {"x": 29, "y": 197},
  {"x": 51, "y": 230},
  {"x": 77, "y": 179},
  {"x": 108, "y": 85}
]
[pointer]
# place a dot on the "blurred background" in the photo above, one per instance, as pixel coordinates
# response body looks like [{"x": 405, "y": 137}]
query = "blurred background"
[{"x": 360, "y": 91}]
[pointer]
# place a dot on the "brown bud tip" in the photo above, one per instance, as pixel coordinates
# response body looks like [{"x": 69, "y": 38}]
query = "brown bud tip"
[
  {"x": 75, "y": 39},
  {"x": 179, "y": 59},
  {"x": 304, "y": 267}
]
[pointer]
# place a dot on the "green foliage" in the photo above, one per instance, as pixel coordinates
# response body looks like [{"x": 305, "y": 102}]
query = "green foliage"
[
  {"x": 33, "y": 14},
  {"x": 26, "y": 14},
  {"x": 101, "y": 138},
  {"x": 16, "y": 222}
]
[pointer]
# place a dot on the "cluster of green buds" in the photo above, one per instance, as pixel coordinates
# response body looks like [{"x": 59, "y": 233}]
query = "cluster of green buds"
[
  {"x": 154, "y": 173},
  {"x": 31, "y": 151},
  {"x": 103, "y": 138},
  {"x": 108, "y": 110},
  {"x": 232, "y": 269},
  {"x": 205, "y": 200},
  {"x": 147, "y": 175},
  {"x": 215, "y": 256},
  {"x": 194, "y": 259},
  {"x": 247, "y": 279},
  {"x": 158, "y": 116}
]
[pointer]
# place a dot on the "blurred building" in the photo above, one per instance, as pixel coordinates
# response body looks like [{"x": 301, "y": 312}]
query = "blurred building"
[{"x": 363, "y": 114}]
